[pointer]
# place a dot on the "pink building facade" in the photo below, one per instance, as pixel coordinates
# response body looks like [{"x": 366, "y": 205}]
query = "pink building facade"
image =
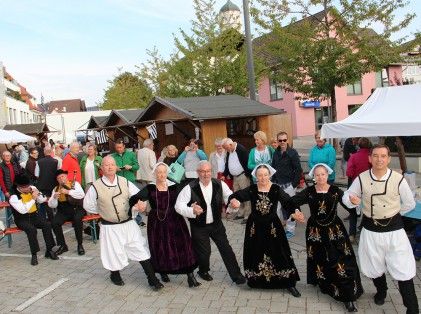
[{"x": 306, "y": 120}]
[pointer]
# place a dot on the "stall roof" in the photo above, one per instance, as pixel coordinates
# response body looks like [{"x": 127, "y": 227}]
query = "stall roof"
[
  {"x": 390, "y": 111},
  {"x": 30, "y": 128},
  {"x": 214, "y": 107},
  {"x": 126, "y": 115}
]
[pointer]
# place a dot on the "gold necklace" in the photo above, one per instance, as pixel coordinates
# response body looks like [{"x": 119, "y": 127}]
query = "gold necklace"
[{"x": 157, "y": 204}]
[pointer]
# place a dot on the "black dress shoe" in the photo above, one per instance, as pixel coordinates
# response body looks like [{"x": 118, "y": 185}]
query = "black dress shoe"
[
  {"x": 62, "y": 249},
  {"x": 80, "y": 249},
  {"x": 51, "y": 254},
  {"x": 350, "y": 306},
  {"x": 165, "y": 278},
  {"x": 240, "y": 280},
  {"x": 294, "y": 292},
  {"x": 34, "y": 260},
  {"x": 156, "y": 284},
  {"x": 116, "y": 278},
  {"x": 205, "y": 276},
  {"x": 191, "y": 280},
  {"x": 379, "y": 298}
]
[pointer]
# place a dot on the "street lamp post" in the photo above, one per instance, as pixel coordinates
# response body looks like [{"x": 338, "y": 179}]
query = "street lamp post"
[{"x": 250, "y": 64}]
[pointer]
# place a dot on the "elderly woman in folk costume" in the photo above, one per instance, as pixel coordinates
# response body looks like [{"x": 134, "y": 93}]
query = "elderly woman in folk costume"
[
  {"x": 331, "y": 262},
  {"x": 168, "y": 236},
  {"x": 267, "y": 256}
]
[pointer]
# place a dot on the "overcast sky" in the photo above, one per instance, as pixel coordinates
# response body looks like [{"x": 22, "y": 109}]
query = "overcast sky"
[{"x": 69, "y": 49}]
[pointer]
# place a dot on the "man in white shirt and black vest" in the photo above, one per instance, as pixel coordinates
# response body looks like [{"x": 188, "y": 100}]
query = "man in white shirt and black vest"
[
  {"x": 120, "y": 236},
  {"x": 384, "y": 245},
  {"x": 201, "y": 201}
]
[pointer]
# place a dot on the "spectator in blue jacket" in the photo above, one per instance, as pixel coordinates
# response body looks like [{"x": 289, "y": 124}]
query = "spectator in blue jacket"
[{"x": 324, "y": 153}]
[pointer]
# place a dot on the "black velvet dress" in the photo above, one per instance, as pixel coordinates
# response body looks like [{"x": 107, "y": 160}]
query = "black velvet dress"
[
  {"x": 267, "y": 258},
  {"x": 169, "y": 239},
  {"x": 331, "y": 262}
]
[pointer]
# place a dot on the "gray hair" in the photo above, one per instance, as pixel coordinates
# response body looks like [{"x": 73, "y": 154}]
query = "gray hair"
[
  {"x": 148, "y": 142},
  {"x": 219, "y": 141},
  {"x": 106, "y": 158},
  {"x": 227, "y": 141},
  {"x": 202, "y": 163},
  {"x": 48, "y": 150}
]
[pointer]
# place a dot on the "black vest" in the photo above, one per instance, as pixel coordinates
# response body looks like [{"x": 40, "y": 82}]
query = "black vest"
[
  {"x": 7, "y": 178},
  {"x": 47, "y": 174},
  {"x": 216, "y": 202}
]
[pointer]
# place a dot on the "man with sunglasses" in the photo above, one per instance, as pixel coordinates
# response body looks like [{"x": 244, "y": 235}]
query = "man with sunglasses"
[{"x": 286, "y": 162}]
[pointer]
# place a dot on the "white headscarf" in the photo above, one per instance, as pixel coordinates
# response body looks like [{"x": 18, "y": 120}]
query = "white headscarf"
[
  {"x": 169, "y": 183},
  {"x": 269, "y": 167},
  {"x": 311, "y": 173}
]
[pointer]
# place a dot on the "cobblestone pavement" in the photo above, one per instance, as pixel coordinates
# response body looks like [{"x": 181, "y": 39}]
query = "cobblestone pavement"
[{"x": 81, "y": 285}]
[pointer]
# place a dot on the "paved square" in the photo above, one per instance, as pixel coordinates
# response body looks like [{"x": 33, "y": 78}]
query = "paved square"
[{"x": 80, "y": 285}]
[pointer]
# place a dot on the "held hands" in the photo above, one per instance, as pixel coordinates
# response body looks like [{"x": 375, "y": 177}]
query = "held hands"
[
  {"x": 140, "y": 206},
  {"x": 355, "y": 200},
  {"x": 197, "y": 210},
  {"x": 234, "y": 203},
  {"x": 298, "y": 216}
]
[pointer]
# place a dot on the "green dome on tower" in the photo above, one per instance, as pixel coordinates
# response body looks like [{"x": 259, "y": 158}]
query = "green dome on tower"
[{"x": 229, "y": 6}]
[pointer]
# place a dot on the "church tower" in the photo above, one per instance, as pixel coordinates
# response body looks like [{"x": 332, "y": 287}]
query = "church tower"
[{"x": 230, "y": 16}]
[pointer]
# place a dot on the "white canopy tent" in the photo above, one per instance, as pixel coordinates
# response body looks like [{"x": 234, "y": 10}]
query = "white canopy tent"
[
  {"x": 390, "y": 111},
  {"x": 13, "y": 136}
]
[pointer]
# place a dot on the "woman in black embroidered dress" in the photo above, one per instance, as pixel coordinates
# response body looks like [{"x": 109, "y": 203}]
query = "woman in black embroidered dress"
[
  {"x": 331, "y": 262},
  {"x": 168, "y": 236},
  {"x": 267, "y": 256}
]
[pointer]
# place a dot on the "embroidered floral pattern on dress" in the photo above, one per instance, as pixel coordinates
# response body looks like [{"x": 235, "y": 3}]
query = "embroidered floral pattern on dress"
[
  {"x": 341, "y": 270},
  {"x": 322, "y": 207},
  {"x": 263, "y": 204},
  {"x": 252, "y": 230},
  {"x": 310, "y": 252},
  {"x": 347, "y": 250},
  {"x": 267, "y": 270},
  {"x": 339, "y": 233},
  {"x": 314, "y": 235},
  {"x": 319, "y": 272},
  {"x": 273, "y": 230}
]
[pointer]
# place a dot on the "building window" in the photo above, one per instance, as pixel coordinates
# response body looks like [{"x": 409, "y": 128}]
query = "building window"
[
  {"x": 381, "y": 78},
  {"x": 353, "y": 108},
  {"x": 275, "y": 90},
  {"x": 14, "y": 116},
  {"x": 355, "y": 89},
  {"x": 11, "y": 116},
  {"x": 321, "y": 116}
]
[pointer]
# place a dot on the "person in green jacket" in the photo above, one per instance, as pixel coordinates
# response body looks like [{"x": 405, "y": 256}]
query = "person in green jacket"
[
  {"x": 126, "y": 161},
  {"x": 90, "y": 165},
  {"x": 127, "y": 166},
  {"x": 324, "y": 153}
]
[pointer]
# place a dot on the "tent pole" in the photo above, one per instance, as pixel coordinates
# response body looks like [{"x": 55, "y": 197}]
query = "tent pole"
[{"x": 401, "y": 154}]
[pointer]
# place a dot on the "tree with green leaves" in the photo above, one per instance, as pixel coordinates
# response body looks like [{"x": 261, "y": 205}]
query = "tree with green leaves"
[
  {"x": 315, "y": 53},
  {"x": 126, "y": 90},
  {"x": 209, "y": 59}
]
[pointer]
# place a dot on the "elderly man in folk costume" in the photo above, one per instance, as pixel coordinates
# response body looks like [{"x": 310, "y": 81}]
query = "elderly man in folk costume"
[
  {"x": 384, "y": 244},
  {"x": 120, "y": 237}
]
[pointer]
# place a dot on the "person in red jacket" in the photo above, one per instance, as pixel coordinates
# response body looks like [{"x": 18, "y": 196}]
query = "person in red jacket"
[
  {"x": 357, "y": 163},
  {"x": 71, "y": 163}
]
